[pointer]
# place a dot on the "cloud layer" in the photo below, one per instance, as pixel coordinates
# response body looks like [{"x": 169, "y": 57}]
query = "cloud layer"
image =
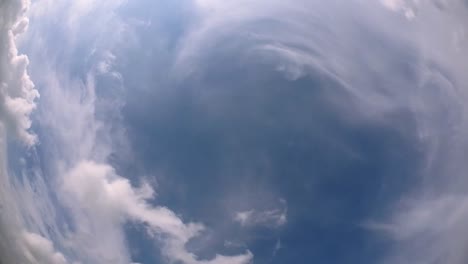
[
  {"x": 17, "y": 101},
  {"x": 17, "y": 90},
  {"x": 164, "y": 116},
  {"x": 73, "y": 111}
]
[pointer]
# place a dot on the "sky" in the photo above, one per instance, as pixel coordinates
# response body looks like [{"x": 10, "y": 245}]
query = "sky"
[{"x": 233, "y": 132}]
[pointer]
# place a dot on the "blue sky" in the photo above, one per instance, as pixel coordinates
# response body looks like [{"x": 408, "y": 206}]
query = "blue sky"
[{"x": 233, "y": 132}]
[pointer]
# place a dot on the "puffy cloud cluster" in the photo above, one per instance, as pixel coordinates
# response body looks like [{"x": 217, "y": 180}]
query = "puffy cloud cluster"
[
  {"x": 17, "y": 93},
  {"x": 41, "y": 250}
]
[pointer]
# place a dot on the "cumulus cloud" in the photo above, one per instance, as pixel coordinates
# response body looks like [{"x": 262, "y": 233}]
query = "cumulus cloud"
[
  {"x": 17, "y": 93},
  {"x": 41, "y": 250}
]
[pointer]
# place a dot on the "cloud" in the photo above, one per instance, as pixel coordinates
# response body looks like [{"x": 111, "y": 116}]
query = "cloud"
[
  {"x": 425, "y": 224},
  {"x": 385, "y": 70},
  {"x": 40, "y": 250},
  {"x": 436, "y": 225},
  {"x": 17, "y": 101},
  {"x": 273, "y": 218},
  {"x": 277, "y": 247},
  {"x": 17, "y": 93},
  {"x": 403, "y": 6},
  {"x": 80, "y": 123},
  {"x": 107, "y": 197}
]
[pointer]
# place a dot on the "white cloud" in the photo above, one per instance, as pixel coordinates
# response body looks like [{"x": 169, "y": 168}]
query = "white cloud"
[
  {"x": 404, "y": 6},
  {"x": 98, "y": 199},
  {"x": 40, "y": 250},
  {"x": 243, "y": 217},
  {"x": 107, "y": 197},
  {"x": 437, "y": 225},
  {"x": 17, "y": 101},
  {"x": 17, "y": 93},
  {"x": 80, "y": 136},
  {"x": 273, "y": 218},
  {"x": 431, "y": 228}
]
